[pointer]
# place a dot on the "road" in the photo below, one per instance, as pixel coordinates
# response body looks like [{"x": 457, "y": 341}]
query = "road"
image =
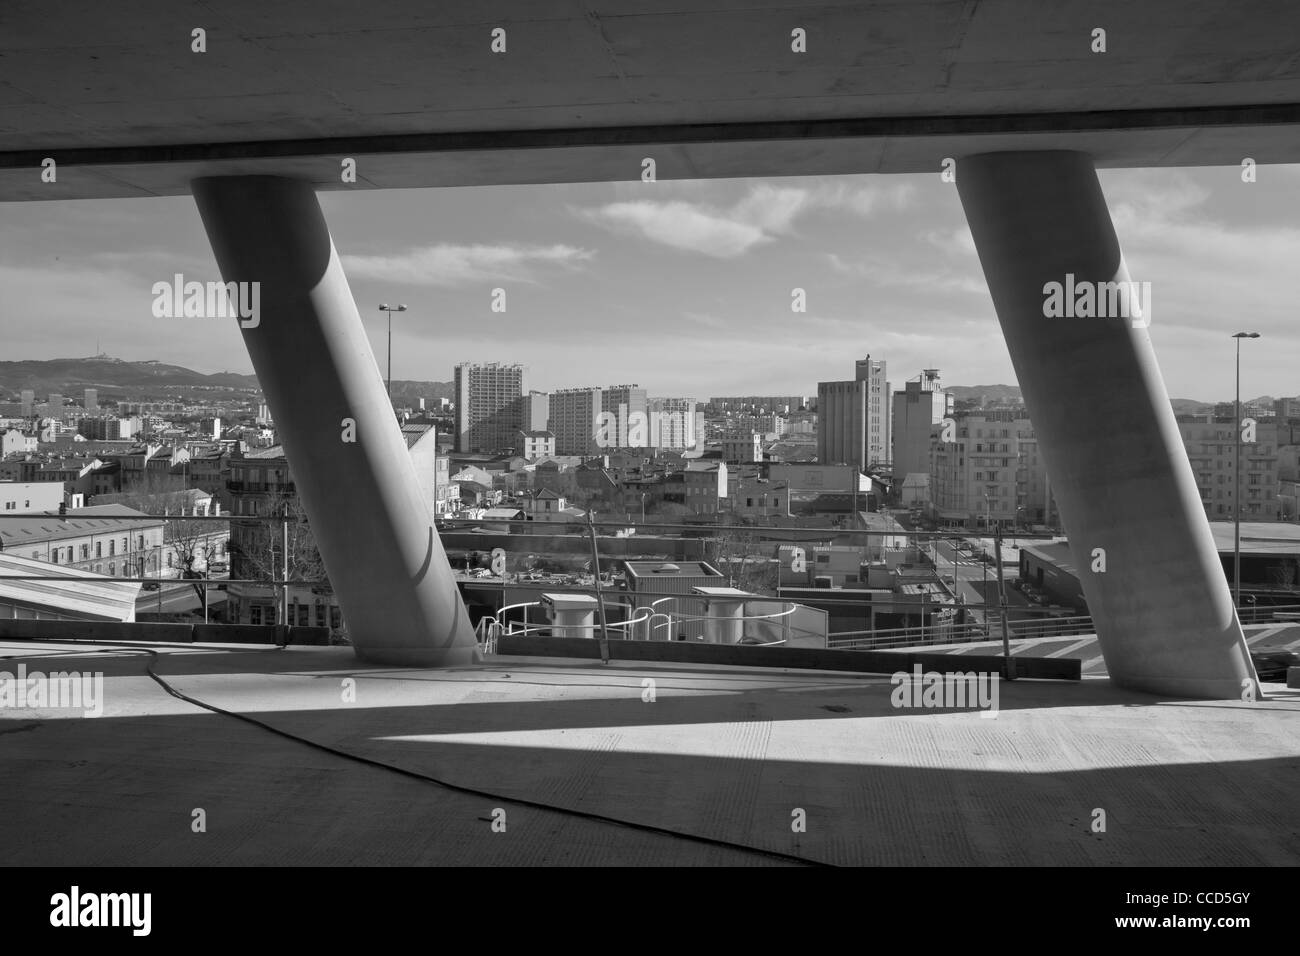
[{"x": 176, "y": 598}]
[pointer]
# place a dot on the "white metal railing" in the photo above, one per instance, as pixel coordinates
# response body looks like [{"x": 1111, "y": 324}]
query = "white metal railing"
[
  {"x": 673, "y": 617},
  {"x": 492, "y": 628},
  {"x": 970, "y": 632}
]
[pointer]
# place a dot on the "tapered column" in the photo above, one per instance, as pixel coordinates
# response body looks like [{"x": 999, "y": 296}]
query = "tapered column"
[
  {"x": 1128, "y": 499},
  {"x": 349, "y": 461}
]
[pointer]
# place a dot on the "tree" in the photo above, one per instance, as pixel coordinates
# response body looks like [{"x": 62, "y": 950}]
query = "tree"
[
  {"x": 190, "y": 540},
  {"x": 261, "y": 544},
  {"x": 741, "y": 556}
]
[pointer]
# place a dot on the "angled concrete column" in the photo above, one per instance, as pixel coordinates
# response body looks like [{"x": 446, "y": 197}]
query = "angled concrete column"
[
  {"x": 1109, "y": 438},
  {"x": 311, "y": 355}
]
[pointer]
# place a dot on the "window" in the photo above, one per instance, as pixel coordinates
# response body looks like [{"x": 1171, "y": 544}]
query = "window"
[
  {"x": 170, "y": 556},
  {"x": 336, "y": 618},
  {"x": 141, "y": 545},
  {"x": 99, "y": 549},
  {"x": 54, "y": 556},
  {"x": 303, "y": 611},
  {"x": 112, "y": 548},
  {"x": 255, "y": 614},
  {"x": 126, "y": 544},
  {"x": 112, "y": 568}
]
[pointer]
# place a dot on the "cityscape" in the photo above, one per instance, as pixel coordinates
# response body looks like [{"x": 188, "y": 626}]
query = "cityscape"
[
  {"x": 620, "y": 435},
  {"x": 857, "y": 454}
]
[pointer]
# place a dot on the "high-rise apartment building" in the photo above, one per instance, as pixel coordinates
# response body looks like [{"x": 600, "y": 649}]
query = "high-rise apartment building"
[
  {"x": 489, "y": 412},
  {"x": 991, "y": 472},
  {"x": 853, "y": 418},
  {"x": 624, "y": 402},
  {"x": 1211, "y": 444},
  {"x": 29, "y": 402},
  {"x": 535, "y": 411},
  {"x": 677, "y": 423},
  {"x": 1285, "y": 408},
  {"x": 921, "y": 406},
  {"x": 574, "y": 413},
  {"x": 91, "y": 399}
]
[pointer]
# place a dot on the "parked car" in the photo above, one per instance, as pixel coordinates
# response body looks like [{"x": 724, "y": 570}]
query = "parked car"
[
  {"x": 152, "y": 586},
  {"x": 1271, "y": 666}
]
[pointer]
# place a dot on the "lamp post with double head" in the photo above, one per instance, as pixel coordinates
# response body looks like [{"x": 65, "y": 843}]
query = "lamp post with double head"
[{"x": 1236, "y": 481}]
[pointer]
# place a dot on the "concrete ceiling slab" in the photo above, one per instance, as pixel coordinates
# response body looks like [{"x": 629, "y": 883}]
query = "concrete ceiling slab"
[{"x": 587, "y": 88}]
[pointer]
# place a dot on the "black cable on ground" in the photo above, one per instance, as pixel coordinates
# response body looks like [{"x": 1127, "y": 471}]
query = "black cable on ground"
[{"x": 416, "y": 775}]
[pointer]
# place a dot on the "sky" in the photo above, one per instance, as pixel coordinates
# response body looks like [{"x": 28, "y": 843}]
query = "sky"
[{"x": 683, "y": 287}]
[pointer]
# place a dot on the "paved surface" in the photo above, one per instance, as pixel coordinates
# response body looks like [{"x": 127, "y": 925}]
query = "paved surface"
[
  {"x": 727, "y": 753},
  {"x": 1259, "y": 637}
]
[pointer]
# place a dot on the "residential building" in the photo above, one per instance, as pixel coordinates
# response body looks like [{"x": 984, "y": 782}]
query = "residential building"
[
  {"x": 760, "y": 498},
  {"x": 15, "y": 442},
  {"x": 535, "y": 444},
  {"x": 90, "y": 402},
  {"x": 574, "y": 413},
  {"x": 446, "y": 493},
  {"x": 535, "y": 411},
  {"x": 676, "y": 423},
  {"x": 107, "y": 427},
  {"x": 761, "y": 404},
  {"x": 24, "y": 497},
  {"x": 629, "y": 406},
  {"x": 741, "y": 449},
  {"x": 28, "y": 403},
  {"x": 1211, "y": 444},
  {"x": 488, "y": 408},
  {"x": 991, "y": 473}
]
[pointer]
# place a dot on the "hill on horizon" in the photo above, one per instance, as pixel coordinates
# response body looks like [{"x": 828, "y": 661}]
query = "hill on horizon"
[{"x": 115, "y": 377}]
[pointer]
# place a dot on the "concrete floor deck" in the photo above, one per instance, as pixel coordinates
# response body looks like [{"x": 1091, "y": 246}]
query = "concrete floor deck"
[{"x": 726, "y": 753}]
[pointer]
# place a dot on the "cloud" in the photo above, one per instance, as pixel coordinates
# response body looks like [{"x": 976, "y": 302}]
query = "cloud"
[
  {"x": 680, "y": 225},
  {"x": 903, "y": 274},
  {"x": 447, "y": 264},
  {"x": 763, "y": 214}
]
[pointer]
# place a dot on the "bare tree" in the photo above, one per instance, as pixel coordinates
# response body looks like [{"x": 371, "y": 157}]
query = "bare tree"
[
  {"x": 743, "y": 557},
  {"x": 261, "y": 547},
  {"x": 166, "y": 494}
]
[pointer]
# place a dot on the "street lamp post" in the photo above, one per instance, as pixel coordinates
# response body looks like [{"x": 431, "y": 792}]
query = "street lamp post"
[
  {"x": 388, "y": 382},
  {"x": 1236, "y": 481},
  {"x": 988, "y": 519}
]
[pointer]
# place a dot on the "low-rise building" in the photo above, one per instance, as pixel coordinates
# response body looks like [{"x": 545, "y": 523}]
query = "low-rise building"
[{"x": 103, "y": 539}]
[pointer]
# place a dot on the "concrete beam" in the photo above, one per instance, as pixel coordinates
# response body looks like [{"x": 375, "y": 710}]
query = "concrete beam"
[
  {"x": 1126, "y": 491},
  {"x": 1200, "y": 136},
  {"x": 310, "y": 352}
]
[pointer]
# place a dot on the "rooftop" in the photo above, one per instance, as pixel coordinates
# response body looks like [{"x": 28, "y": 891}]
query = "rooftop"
[
  {"x": 92, "y": 596},
  {"x": 723, "y": 754},
  {"x": 16, "y": 532}
]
